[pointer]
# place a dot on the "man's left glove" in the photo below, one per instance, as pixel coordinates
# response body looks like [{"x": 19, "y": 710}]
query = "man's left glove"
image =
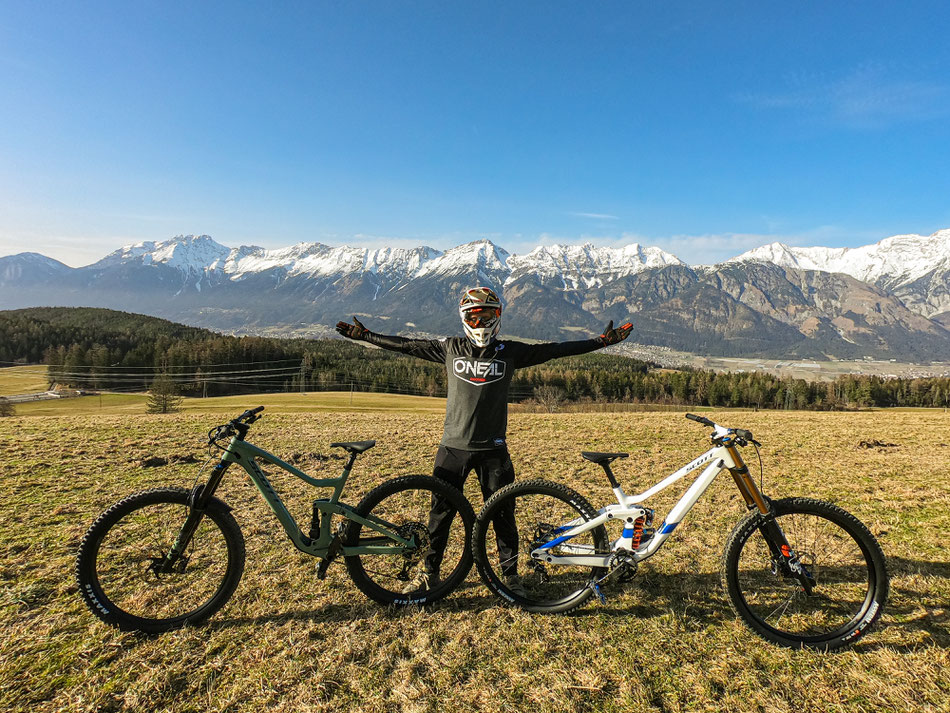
[
  {"x": 612, "y": 336},
  {"x": 352, "y": 331}
]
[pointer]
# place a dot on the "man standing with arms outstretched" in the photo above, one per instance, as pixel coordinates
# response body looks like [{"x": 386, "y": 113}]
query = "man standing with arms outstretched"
[{"x": 479, "y": 369}]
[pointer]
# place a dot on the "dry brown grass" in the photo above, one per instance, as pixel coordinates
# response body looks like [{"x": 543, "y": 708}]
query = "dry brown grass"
[{"x": 666, "y": 642}]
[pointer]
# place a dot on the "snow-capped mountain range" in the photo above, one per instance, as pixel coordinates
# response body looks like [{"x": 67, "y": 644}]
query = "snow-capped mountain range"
[
  {"x": 898, "y": 259},
  {"x": 889, "y": 298},
  {"x": 897, "y": 264},
  {"x": 574, "y": 265}
]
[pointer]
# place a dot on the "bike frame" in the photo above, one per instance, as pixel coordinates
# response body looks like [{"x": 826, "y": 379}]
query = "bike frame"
[
  {"x": 722, "y": 456},
  {"x": 246, "y": 455}
]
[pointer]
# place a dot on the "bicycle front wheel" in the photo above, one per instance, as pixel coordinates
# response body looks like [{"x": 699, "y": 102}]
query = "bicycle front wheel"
[
  {"x": 119, "y": 563},
  {"x": 838, "y": 552},
  {"x": 540, "y": 511},
  {"x": 430, "y": 513}
]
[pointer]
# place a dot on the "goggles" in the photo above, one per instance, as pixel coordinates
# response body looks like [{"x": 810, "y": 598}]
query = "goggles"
[{"x": 481, "y": 317}]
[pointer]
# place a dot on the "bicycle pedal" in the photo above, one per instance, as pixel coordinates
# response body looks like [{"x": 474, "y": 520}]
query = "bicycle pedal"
[{"x": 599, "y": 592}]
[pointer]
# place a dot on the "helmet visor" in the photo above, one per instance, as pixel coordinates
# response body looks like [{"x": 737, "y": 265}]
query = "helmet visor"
[{"x": 481, "y": 317}]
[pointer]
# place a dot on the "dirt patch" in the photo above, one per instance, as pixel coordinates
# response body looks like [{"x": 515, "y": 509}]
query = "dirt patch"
[
  {"x": 877, "y": 444},
  {"x": 297, "y": 458},
  {"x": 157, "y": 461}
]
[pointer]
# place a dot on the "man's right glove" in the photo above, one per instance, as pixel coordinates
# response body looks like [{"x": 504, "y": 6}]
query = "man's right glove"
[
  {"x": 612, "y": 336},
  {"x": 352, "y": 331}
]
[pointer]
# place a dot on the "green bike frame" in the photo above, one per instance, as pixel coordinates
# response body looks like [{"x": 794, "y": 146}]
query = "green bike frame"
[{"x": 246, "y": 455}]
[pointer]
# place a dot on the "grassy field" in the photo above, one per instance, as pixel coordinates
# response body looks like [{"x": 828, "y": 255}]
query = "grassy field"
[
  {"x": 22, "y": 380},
  {"x": 112, "y": 404},
  {"x": 286, "y": 642}
]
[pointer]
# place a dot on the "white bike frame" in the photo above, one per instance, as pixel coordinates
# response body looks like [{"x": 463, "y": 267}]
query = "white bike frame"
[{"x": 723, "y": 456}]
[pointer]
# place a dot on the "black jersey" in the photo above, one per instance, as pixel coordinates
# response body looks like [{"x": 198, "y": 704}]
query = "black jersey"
[{"x": 476, "y": 408}]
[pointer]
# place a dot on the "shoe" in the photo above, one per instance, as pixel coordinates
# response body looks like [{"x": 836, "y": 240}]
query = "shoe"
[
  {"x": 421, "y": 583},
  {"x": 516, "y": 586}
]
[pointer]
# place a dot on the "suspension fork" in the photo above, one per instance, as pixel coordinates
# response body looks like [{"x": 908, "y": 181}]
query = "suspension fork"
[
  {"x": 784, "y": 557},
  {"x": 198, "y": 502},
  {"x": 740, "y": 473}
]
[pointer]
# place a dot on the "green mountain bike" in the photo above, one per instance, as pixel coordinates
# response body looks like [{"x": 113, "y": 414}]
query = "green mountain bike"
[{"x": 163, "y": 558}]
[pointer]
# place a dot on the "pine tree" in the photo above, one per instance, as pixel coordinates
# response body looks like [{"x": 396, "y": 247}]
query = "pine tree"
[{"x": 163, "y": 396}]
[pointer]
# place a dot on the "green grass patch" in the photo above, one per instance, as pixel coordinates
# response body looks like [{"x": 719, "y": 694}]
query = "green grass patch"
[
  {"x": 322, "y": 401},
  {"x": 22, "y": 380}
]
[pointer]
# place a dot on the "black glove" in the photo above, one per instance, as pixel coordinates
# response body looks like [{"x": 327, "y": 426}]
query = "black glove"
[
  {"x": 612, "y": 336},
  {"x": 352, "y": 331}
]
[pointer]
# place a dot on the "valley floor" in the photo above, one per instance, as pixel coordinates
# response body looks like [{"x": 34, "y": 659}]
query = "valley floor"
[{"x": 808, "y": 369}]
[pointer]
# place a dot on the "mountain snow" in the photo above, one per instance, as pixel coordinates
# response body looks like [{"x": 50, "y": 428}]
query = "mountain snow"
[
  {"x": 583, "y": 266},
  {"x": 897, "y": 264},
  {"x": 28, "y": 265},
  {"x": 192, "y": 254},
  {"x": 486, "y": 259},
  {"x": 893, "y": 262},
  {"x": 574, "y": 265}
]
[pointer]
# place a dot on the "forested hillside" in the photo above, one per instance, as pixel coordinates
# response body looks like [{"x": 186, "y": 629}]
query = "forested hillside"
[{"x": 105, "y": 349}]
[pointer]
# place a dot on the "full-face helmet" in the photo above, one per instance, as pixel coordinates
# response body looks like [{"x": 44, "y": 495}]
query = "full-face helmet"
[{"x": 480, "y": 310}]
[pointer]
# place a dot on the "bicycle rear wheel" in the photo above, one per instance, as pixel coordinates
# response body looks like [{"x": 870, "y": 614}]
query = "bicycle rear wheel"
[
  {"x": 838, "y": 552},
  {"x": 118, "y": 565},
  {"x": 405, "y": 505},
  {"x": 541, "y": 510}
]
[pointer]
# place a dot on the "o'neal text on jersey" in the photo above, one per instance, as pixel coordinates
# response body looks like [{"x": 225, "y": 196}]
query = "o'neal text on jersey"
[{"x": 477, "y": 371}]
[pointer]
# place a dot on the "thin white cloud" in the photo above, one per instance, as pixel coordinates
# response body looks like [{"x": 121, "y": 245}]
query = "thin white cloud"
[
  {"x": 870, "y": 96},
  {"x": 597, "y": 216},
  {"x": 711, "y": 248},
  {"x": 378, "y": 241},
  {"x": 73, "y": 250}
]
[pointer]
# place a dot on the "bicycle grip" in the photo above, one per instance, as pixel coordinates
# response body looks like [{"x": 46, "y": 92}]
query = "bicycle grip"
[
  {"x": 256, "y": 410},
  {"x": 699, "y": 419}
]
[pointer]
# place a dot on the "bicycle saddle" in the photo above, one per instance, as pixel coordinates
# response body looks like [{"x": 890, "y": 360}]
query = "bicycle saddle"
[
  {"x": 354, "y": 446},
  {"x": 595, "y": 457}
]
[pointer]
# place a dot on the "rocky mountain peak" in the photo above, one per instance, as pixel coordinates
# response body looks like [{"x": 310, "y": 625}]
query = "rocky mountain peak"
[
  {"x": 192, "y": 254},
  {"x": 586, "y": 265}
]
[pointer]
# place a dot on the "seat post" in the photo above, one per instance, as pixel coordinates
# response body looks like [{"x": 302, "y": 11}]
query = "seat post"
[{"x": 610, "y": 474}]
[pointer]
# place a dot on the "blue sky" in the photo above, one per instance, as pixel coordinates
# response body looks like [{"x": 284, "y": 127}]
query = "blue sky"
[{"x": 703, "y": 128}]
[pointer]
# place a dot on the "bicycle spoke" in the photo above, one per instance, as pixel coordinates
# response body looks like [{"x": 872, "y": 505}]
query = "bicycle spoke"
[
  {"x": 122, "y": 562},
  {"x": 518, "y": 520},
  {"x": 833, "y": 557},
  {"x": 430, "y": 514}
]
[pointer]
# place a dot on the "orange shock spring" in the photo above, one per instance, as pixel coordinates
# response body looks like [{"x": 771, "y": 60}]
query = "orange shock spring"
[{"x": 637, "y": 532}]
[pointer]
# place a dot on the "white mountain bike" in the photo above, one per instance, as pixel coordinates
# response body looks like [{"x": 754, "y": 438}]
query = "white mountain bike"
[{"x": 799, "y": 572}]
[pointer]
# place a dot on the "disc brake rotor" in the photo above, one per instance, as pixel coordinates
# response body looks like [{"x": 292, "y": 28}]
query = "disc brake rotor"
[{"x": 412, "y": 556}]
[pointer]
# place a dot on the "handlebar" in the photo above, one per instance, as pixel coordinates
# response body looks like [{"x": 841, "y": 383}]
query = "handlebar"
[
  {"x": 236, "y": 426},
  {"x": 742, "y": 435},
  {"x": 250, "y": 412}
]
